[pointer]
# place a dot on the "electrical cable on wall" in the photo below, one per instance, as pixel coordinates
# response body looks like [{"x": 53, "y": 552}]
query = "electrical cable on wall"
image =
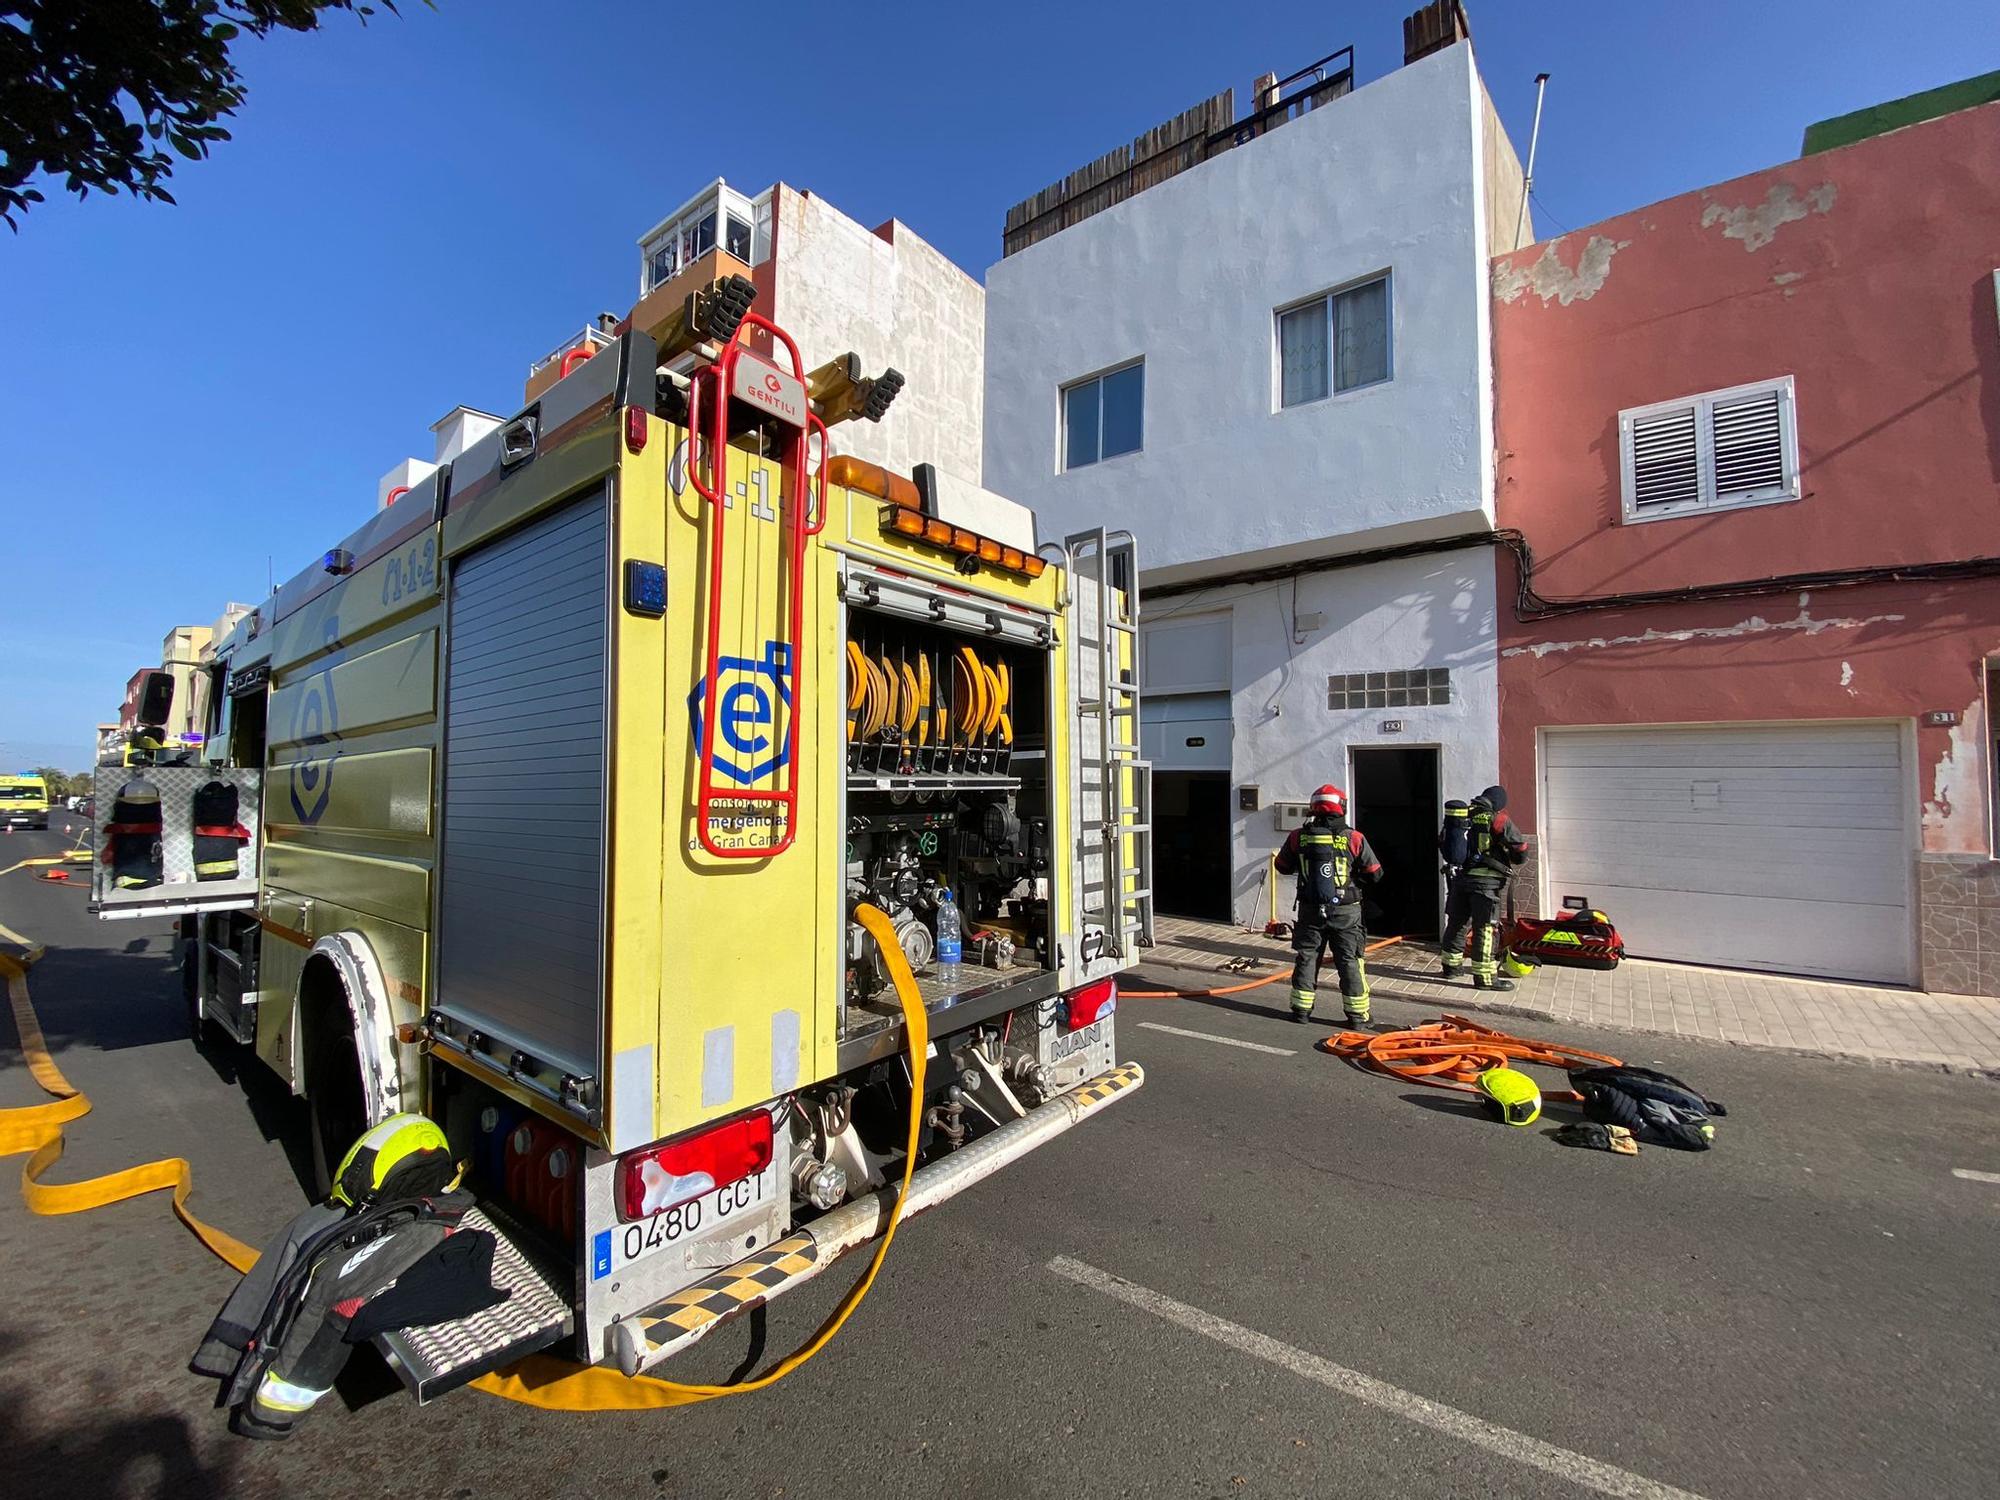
[{"x": 1530, "y": 604}]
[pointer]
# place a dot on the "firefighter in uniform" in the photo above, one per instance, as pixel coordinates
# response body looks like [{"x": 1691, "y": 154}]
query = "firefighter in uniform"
[
  {"x": 1329, "y": 857},
  {"x": 1492, "y": 846}
]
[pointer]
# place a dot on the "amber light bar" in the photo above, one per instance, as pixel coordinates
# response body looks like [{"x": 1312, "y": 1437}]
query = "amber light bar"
[
  {"x": 854, "y": 473},
  {"x": 903, "y": 520}
]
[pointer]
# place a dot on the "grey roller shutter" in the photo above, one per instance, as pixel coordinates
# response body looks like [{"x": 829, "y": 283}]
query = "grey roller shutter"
[{"x": 521, "y": 868}]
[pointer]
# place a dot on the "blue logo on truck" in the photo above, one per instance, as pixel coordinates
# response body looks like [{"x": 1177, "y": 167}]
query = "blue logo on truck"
[
  {"x": 753, "y": 698},
  {"x": 315, "y": 726}
]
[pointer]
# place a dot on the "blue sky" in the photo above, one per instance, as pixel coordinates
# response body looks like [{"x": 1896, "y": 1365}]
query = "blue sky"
[{"x": 412, "y": 211}]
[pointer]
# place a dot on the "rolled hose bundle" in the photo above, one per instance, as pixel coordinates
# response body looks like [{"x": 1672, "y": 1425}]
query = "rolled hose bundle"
[{"x": 1452, "y": 1051}]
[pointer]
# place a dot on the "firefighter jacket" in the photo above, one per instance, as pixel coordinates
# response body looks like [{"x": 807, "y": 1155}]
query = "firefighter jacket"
[
  {"x": 132, "y": 837},
  {"x": 278, "y": 1342},
  {"x": 218, "y": 836},
  {"x": 1656, "y": 1107},
  {"x": 1328, "y": 856}
]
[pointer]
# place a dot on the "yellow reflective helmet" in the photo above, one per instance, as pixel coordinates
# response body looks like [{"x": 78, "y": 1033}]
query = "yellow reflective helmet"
[
  {"x": 1513, "y": 1093},
  {"x": 406, "y": 1156}
]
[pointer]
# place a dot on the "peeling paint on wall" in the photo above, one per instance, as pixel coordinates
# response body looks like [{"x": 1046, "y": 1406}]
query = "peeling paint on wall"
[
  {"x": 1757, "y": 224},
  {"x": 1786, "y": 278},
  {"x": 1955, "y": 815},
  {"x": 1548, "y": 278},
  {"x": 1847, "y": 677},
  {"x": 1755, "y": 625}
]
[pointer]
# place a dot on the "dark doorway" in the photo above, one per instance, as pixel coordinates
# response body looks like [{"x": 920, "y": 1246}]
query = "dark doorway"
[
  {"x": 1191, "y": 844},
  {"x": 1395, "y": 798}
]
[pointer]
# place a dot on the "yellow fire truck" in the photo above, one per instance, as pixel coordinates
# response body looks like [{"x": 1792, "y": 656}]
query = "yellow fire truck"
[{"x": 557, "y": 785}]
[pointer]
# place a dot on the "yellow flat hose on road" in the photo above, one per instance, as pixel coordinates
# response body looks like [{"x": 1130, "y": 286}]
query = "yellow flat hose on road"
[
  {"x": 38, "y": 1130},
  {"x": 540, "y": 1380}
]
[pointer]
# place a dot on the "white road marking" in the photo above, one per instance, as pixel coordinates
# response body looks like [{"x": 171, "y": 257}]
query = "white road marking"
[
  {"x": 1227, "y": 1041},
  {"x": 1516, "y": 1447},
  {"x": 1966, "y": 1172}
]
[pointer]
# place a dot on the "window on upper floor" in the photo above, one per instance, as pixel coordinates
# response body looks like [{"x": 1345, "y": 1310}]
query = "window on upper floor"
[
  {"x": 1336, "y": 342},
  {"x": 1715, "y": 451},
  {"x": 720, "y": 216},
  {"x": 1104, "y": 416},
  {"x": 698, "y": 238}
]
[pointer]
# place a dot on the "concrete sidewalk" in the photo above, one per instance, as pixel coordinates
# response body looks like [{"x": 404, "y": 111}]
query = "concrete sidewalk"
[{"x": 1960, "y": 1033}]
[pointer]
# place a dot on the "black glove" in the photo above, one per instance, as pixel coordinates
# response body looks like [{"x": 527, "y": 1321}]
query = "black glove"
[{"x": 454, "y": 1281}]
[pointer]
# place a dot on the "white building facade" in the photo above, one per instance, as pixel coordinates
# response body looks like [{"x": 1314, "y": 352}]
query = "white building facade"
[
  {"x": 836, "y": 286},
  {"x": 1274, "y": 368}
]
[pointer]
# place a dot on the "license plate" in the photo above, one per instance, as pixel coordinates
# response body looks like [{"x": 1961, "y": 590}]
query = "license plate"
[{"x": 619, "y": 1246}]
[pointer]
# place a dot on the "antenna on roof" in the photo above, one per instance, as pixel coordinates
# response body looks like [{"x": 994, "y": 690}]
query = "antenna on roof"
[{"x": 1534, "y": 139}]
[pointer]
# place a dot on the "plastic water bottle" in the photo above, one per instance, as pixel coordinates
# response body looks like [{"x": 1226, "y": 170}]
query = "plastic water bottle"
[{"x": 950, "y": 944}]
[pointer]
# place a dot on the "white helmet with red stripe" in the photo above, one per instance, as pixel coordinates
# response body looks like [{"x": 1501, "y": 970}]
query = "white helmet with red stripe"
[{"x": 1330, "y": 800}]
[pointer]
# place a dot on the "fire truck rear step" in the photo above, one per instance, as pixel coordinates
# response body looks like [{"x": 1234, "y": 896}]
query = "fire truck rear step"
[
  {"x": 536, "y": 1314},
  {"x": 694, "y": 1312}
]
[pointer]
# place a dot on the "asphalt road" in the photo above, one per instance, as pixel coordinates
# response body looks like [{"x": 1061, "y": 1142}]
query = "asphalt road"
[{"x": 1262, "y": 1275}]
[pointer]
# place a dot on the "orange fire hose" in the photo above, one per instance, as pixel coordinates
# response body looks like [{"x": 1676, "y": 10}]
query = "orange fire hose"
[
  {"x": 1235, "y": 989},
  {"x": 1451, "y": 1052}
]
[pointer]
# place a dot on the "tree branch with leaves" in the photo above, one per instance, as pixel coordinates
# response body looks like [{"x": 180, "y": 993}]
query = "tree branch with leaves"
[{"x": 108, "y": 95}]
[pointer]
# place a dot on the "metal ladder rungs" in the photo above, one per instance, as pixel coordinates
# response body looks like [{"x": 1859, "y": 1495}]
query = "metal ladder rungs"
[{"x": 1115, "y": 782}]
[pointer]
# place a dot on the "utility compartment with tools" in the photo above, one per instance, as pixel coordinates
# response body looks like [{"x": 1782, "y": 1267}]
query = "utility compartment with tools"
[{"x": 947, "y": 708}]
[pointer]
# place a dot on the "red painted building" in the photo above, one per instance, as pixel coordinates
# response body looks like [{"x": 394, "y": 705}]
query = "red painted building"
[
  {"x": 128, "y": 711},
  {"x": 1751, "y": 436}
]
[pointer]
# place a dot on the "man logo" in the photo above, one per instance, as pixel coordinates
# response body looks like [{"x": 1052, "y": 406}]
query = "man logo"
[{"x": 753, "y": 697}]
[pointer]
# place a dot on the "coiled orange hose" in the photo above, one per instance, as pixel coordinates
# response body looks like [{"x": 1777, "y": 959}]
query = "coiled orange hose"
[{"x": 1451, "y": 1052}]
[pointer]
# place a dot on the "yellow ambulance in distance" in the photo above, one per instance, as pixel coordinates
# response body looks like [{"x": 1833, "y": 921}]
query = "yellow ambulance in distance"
[{"x": 24, "y": 801}]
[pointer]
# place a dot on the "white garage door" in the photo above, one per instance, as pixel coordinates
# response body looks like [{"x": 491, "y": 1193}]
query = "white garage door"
[
  {"x": 1188, "y": 732},
  {"x": 1783, "y": 848},
  {"x": 1184, "y": 694}
]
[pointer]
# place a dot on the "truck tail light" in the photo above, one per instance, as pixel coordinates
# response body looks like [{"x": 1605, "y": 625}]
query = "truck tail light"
[
  {"x": 658, "y": 1177},
  {"x": 635, "y": 429},
  {"x": 1091, "y": 1002}
]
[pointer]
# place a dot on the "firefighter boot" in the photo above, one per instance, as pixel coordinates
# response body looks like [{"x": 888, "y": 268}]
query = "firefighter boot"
[
  {"x": 1491, "y": 982},
  {"x": 1357, "y": 1005},
  {"x": 1302, "y": 1005}
]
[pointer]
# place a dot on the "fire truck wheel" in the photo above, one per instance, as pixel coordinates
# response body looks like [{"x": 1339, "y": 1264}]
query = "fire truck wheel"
[{"x": 333, "y": 1081}]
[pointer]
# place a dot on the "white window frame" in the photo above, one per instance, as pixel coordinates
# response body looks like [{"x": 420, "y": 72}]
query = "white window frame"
[
  {"x": 1387, "y": 277},
  {"x": 1063, "y": 465},
  {"x": 720, "y": 199},
  {"x": 1706, "y": 501}
]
